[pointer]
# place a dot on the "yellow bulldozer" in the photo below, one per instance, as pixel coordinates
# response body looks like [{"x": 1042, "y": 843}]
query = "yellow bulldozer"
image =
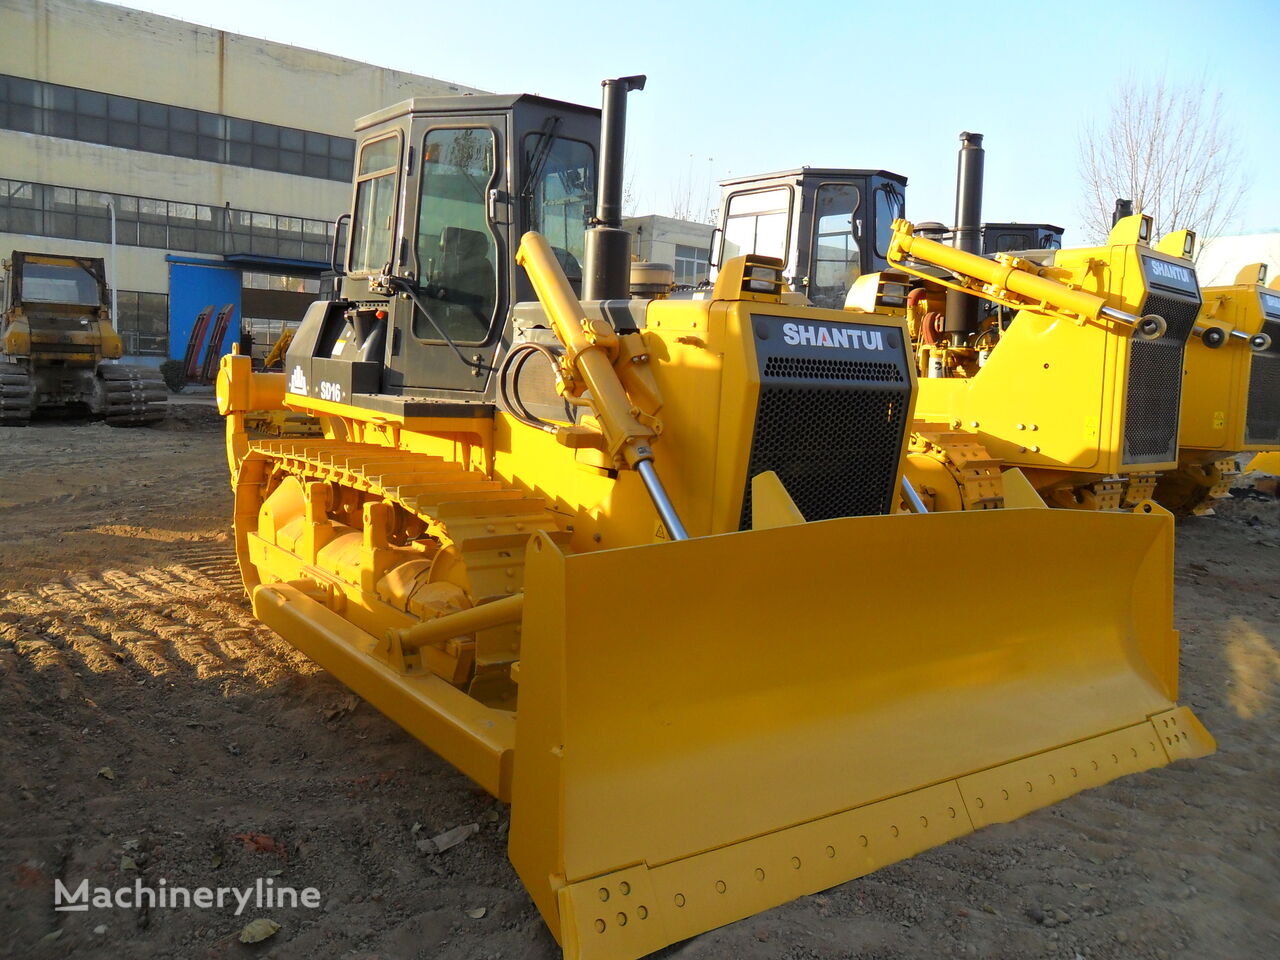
[
  {"x": 1064, "y": 364},
  {"x": 1231, "y": 395},
  {"x": 638, "y": 566},
  {"x": 1075, "y": 380},
  {"x": 59, "y": 352}
]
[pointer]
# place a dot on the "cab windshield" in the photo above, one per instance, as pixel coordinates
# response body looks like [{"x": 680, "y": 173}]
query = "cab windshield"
[
  {"x": 757, "y": 223},
  {"x": 59, "y": 283}
]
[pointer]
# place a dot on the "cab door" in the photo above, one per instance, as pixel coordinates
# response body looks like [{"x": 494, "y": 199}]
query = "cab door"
[
  {"x": 834, "y": 256},
  {"x": 445, "y": 334}
]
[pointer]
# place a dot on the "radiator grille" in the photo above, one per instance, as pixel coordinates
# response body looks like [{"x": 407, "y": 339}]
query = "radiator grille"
[
  {"x": 1155, "y": 383},
  {"x": 808, "y": 368},
  {"x": 1262, "y": 415},
  {"x": 833, "y": 436}
]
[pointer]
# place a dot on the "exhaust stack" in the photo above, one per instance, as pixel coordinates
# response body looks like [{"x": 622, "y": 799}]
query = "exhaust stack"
[
  {"x": 607, "y": 271},
  {"x": 963, "y": 311},
  {"x": 1123, "y": 208}
]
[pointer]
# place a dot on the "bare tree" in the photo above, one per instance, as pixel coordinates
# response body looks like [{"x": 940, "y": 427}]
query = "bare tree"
[
  {"x": 690, "y": 198},
  {"x": 1168, "y": 148},
  {"x": 630, "y": 195}
]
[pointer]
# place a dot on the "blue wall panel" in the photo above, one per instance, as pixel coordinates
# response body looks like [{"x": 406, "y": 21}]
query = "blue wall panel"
[{"x": 192, "y": 287}]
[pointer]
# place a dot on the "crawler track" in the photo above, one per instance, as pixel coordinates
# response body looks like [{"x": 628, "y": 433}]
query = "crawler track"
[
  {"x": 130, "y": 396},
  {"x": 15, "y": 395}
]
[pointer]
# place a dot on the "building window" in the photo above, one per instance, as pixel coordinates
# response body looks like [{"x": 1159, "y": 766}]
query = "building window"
[
  {"x": 280, "y": 282},
  {"x": 691, "y": 265},
  {"x": 44, "y": 210},
  {"x": 143, "y": 323},
  {"x": 50, "y": 109}
]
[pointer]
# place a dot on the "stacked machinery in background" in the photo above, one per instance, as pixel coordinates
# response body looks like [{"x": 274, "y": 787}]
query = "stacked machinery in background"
[
  {"x": 635, "y": 565},
  {"x": 59, "y": 352}
]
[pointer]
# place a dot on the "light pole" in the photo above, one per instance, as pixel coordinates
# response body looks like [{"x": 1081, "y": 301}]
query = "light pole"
[{"x": 115, "y": 317}]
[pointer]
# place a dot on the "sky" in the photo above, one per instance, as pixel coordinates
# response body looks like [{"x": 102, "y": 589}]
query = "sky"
[{"x": 743, "y": 87}]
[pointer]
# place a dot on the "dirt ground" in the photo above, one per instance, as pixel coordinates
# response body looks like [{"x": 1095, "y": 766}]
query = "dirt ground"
[{"x": 150, "y": 729}]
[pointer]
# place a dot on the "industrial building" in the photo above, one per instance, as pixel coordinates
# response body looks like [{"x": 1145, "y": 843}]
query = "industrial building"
[
  {"x": 683, "y": 244},
  {"x": 222, "y": 159}
]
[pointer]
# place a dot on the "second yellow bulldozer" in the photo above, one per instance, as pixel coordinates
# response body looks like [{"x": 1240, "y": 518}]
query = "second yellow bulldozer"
[
  {"x": 637, "y": 566},
  {"x": 1231, "y": 394},
  {"x": 1076, "y": 381}
]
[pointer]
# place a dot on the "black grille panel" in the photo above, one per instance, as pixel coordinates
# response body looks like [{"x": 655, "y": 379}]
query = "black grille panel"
[
  {"x": 809, "y": 368},
  {"x": 1155, "y": 383},
  {"x": 835, "y": 448},
  {"x": 1262, "y": 415}
]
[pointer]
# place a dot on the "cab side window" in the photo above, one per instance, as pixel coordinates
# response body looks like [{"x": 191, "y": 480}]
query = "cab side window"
[
  {"x": 890, "y": 206},
  {"x": 373, "y": 222}
]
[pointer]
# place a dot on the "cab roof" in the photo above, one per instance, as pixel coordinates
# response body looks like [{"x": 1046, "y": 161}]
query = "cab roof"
[
  {"x": 815, "y": 172},
  {"x": 469, "y": 103}
]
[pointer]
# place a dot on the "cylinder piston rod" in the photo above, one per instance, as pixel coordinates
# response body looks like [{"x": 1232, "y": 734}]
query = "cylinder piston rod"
[
  {"x": 1150, "y": 327},
  {"x": 658, "y": 493},
  {"x": 913, "y": 498},
  {"x": 1214, "y": 337},
  {"x": 1013, "y": 282},
  {"x": 1258, "y": 342}
]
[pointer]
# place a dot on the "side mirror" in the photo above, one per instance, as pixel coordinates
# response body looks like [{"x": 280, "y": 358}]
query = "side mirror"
[{"x": 713, "y": 253}]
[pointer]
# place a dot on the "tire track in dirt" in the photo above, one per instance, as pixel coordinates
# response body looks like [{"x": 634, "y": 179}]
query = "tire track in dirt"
[
  {"x": 214, "y": 562},
  {"x": 188, "y": 620}
]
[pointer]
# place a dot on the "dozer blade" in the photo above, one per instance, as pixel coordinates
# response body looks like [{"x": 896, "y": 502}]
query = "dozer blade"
[{"x": 712, "y": 727}]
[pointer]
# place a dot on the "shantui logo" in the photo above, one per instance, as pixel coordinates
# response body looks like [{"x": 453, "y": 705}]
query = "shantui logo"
[
  {"x": 263, "y": 895},
  {"x": 1170, "y": 271},
  {"x": 298, "y": 381},
  {"x": 850, "y": 338}
]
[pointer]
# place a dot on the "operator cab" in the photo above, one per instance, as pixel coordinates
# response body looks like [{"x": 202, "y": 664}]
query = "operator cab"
[
  {"x": 444, "y": 189},
  {"x": 1017, "y": 237},
  {"x": 37, "y": 280},
  {"x": 829, "y": 226}
]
